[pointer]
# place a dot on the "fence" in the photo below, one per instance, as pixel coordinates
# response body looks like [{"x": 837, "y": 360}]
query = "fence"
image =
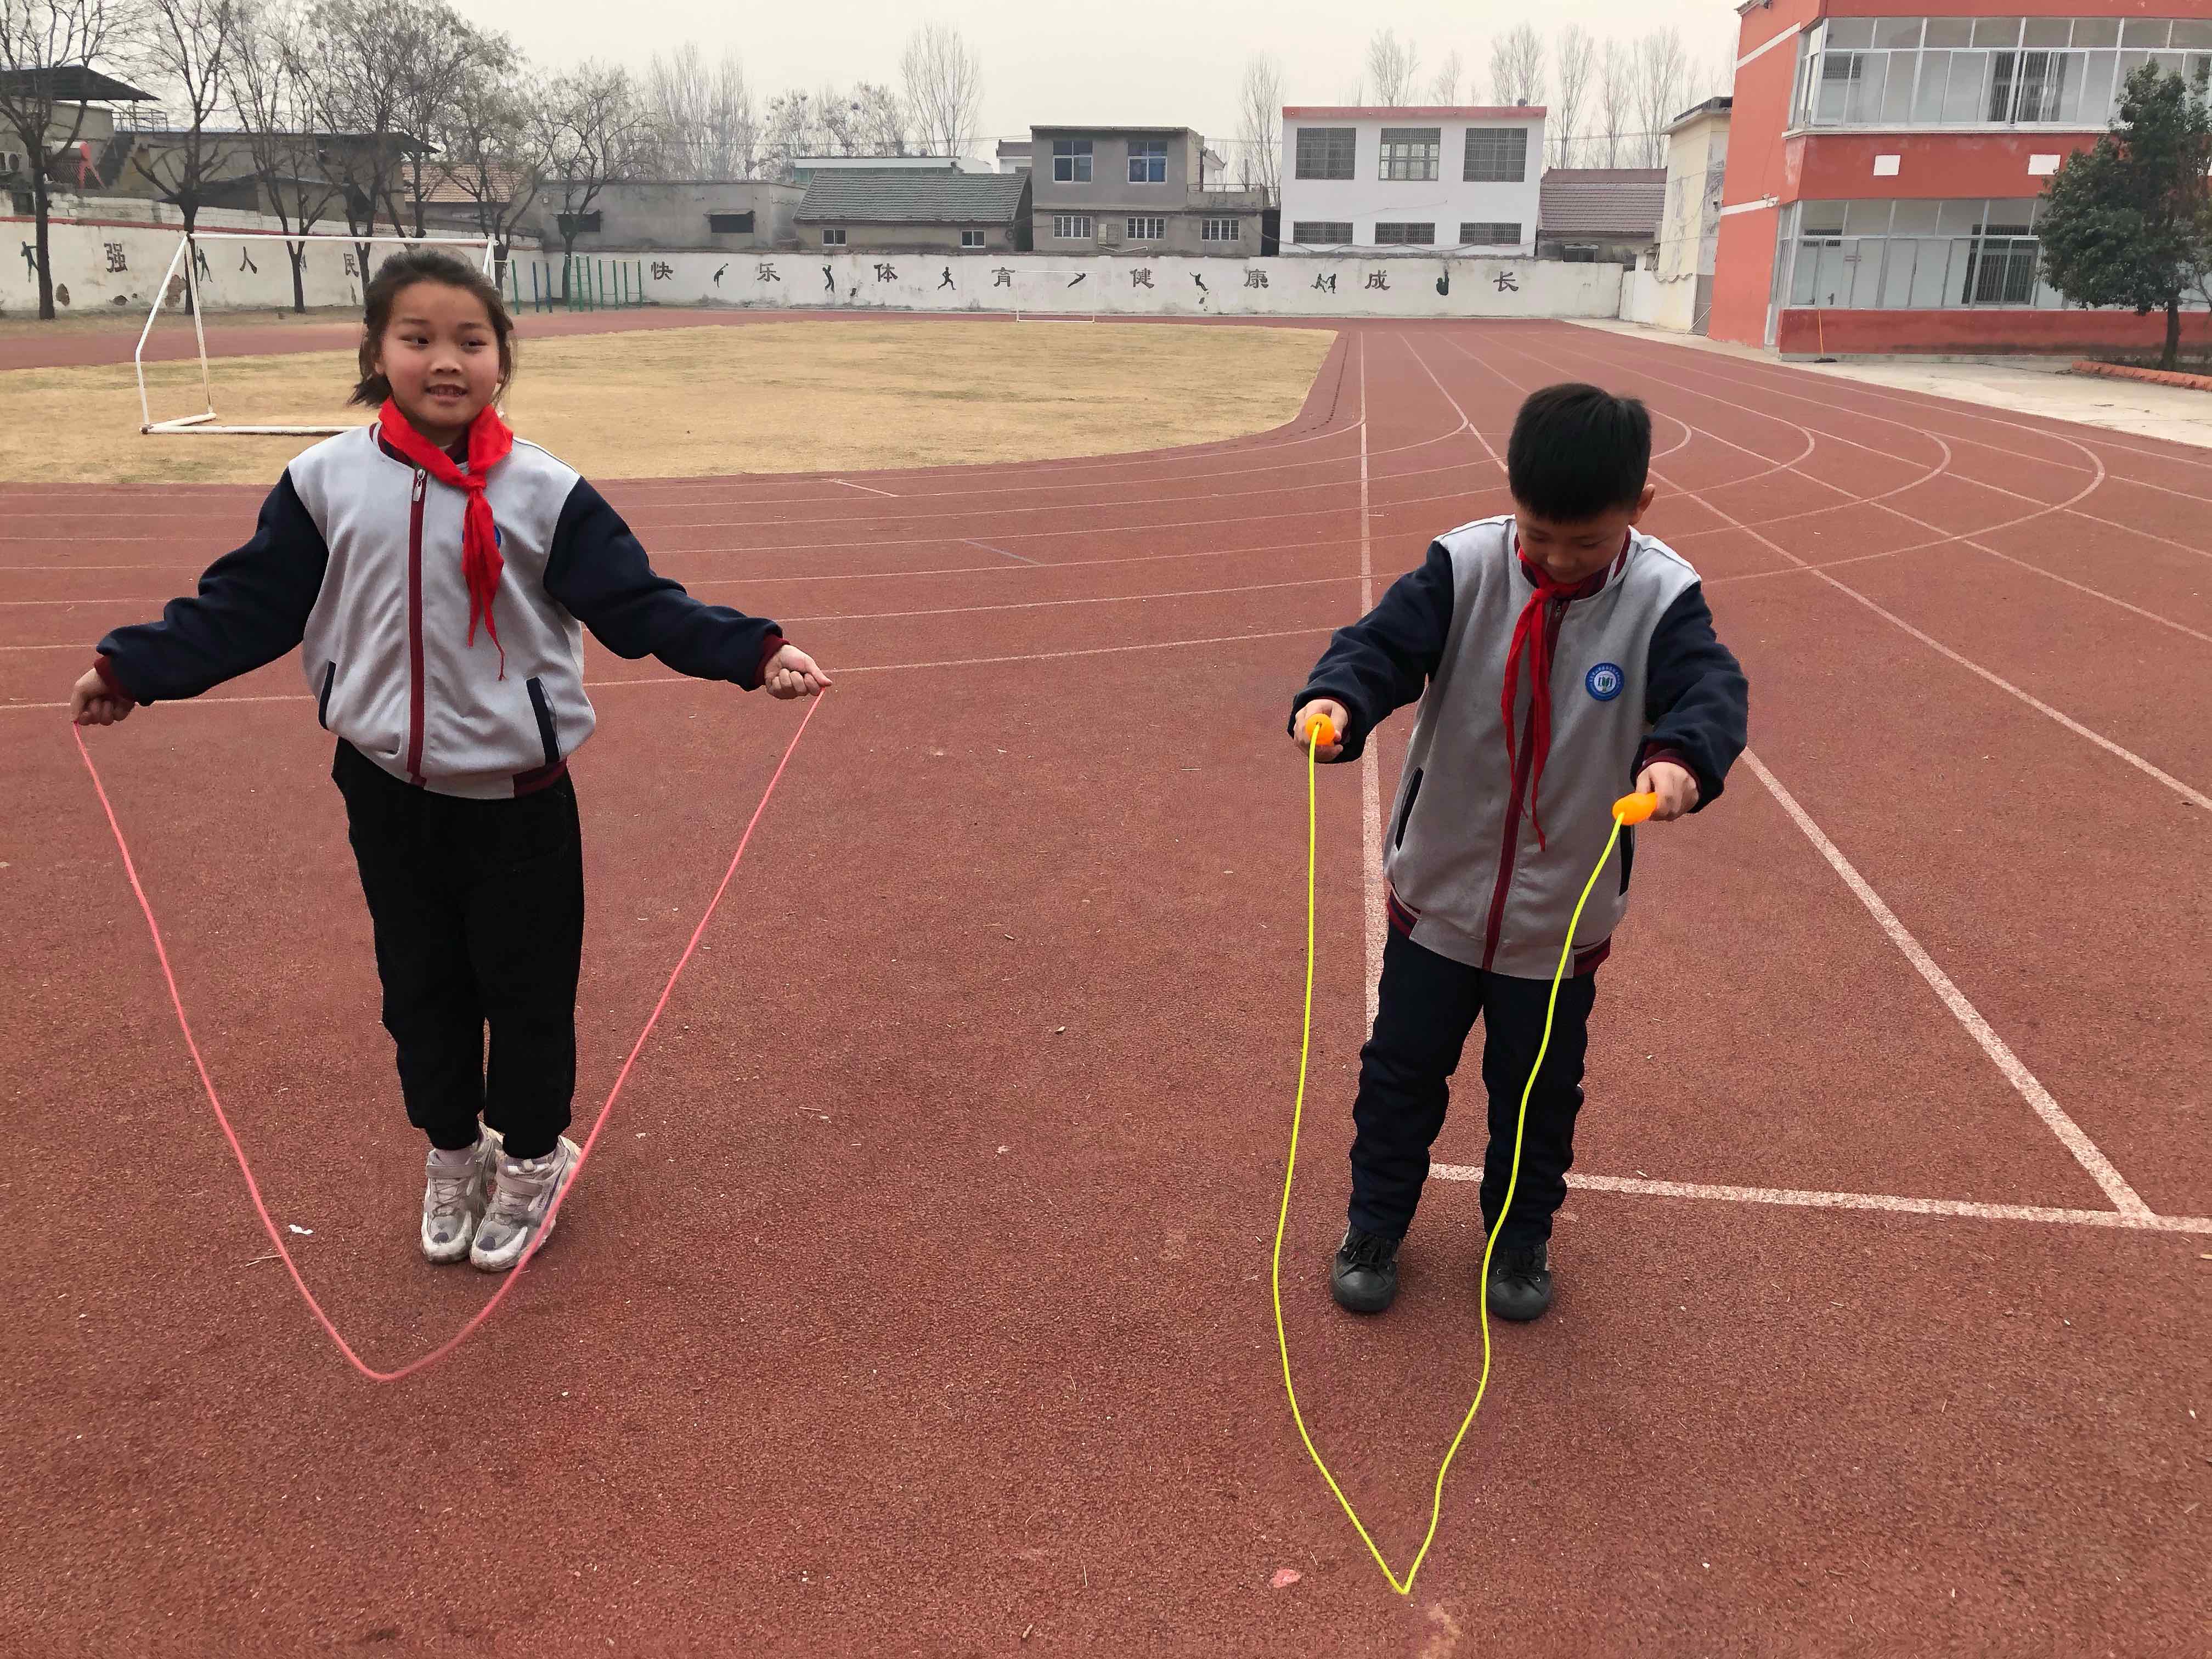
[{"x": 579, "y": 282}]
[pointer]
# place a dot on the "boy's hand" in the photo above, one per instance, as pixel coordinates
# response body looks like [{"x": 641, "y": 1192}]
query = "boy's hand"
[
  {"x": 1675, "y": 785},
  {"x": 1332, "y": 712},
  {"x": 791, "y": 673},
  {"x": 92, "y": 703}
]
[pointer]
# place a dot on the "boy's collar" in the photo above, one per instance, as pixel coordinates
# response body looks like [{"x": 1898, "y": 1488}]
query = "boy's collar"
[{"x": 1590, "y": 585}]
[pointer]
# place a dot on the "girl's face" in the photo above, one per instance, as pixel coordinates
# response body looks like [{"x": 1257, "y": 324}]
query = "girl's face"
[{"x": 441, "y": 355}]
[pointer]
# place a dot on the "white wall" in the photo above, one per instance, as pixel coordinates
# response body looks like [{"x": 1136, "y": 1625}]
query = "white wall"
[
  {"x": 1651, "y": 297},
  {"x": 1110, "y": 285},
  {"x": 1447, "y": 200},
  {"x": 1081, "y": 285}
]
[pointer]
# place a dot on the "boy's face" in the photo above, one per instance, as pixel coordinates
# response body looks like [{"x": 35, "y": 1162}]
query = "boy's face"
[{"x": 1571, "y": 552}]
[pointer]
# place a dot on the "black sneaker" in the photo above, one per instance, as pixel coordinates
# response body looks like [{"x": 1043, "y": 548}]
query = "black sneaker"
[
  {"x": 1364, "y": 1279},
  {"x": 1520, "y": 1281}
]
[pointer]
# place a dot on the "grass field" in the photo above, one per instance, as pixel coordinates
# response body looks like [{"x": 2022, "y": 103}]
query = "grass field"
[{"x": 692, "y": 401}]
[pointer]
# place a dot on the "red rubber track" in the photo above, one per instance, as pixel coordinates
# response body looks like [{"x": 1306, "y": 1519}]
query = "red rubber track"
[{"x": 915, "y": 1300}]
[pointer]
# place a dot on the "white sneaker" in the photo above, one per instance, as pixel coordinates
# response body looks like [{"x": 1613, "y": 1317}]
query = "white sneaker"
[
  {"x": 523, "y": 1191},
  {"x": 454, "y": 1202}
]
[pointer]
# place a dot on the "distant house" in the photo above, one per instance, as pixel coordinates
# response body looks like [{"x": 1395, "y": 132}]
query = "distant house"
[
  {"x": 1460, "y": 176},
  {"x": 1013, "y": 155},
  {"x": 906, "y": 210},
  {"x": 1606, "y": 215},
  {"x": 95, "y": 161},
  {"x": 1138, "y": 191},
  {"x": 1690, "y": 234},
  {"x": 736, "y": 215}
]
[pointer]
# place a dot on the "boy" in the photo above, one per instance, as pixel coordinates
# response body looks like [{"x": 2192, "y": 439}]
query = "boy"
[{"x": 1566, "y": 657}]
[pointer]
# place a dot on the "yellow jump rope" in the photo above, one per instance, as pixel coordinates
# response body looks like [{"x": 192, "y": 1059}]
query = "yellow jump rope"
[{"x": 1630, "y": 809}]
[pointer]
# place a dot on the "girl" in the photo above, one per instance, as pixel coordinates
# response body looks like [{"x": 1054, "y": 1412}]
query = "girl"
[{"x": 437, "y": 571}]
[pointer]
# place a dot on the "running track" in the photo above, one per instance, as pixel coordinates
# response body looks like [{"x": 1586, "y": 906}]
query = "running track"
[{"x": 916, "y": 1300}]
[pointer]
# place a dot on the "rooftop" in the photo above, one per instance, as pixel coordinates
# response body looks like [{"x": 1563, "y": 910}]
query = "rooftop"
[
  {"x": 1602, "y": 202},
  {"x": 73, "y": 83},
  {"x": 1413, "y": 111},
  {"x": 912, "y": 196}
]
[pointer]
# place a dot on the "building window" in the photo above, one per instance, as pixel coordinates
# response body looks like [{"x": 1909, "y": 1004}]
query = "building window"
[
  {"x": 1411, "y": 152},
  {"x": 1497, "y": 155},
  {"x": 1071, "y": 160},
  {"x": 1148, "y": 161},
  {"x": 971, "y": 239},
  {"x": 1407, "y": 234},
  {"x": 1071, "y": 226},
  {"x": 1986, "y": 71},
  {"x": 1326, "y": 152},
  {"x": 1914, "y": 255},
  {"x": 1221, "y": 230},
  {"x": 729, "y": 224},
  {"x": 833, "y": 236},
  {"x": 1490, "y": 232},
  {"x": 1147, "y": 230},
  {"x": 1320, "y": 232},
  {"x": 580, "y": 224}
]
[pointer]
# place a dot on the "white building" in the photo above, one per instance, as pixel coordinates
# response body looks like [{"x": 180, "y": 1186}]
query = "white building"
[{"x": 1462, "y": 178}]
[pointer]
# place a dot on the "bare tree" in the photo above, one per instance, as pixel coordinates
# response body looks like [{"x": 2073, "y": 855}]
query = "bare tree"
[
  {"x": 48, "y": 48},
  {"x": 1392, "y": 67},
  {"x": 490, "y": 156},
  {"x": 350, "y": 73},
  {"x": 591, "y": 129},
  {"x": 702, "y": 116},
  {"x": 869, "y": 120},
  {"x": 943, "y": 79},
  {"x": 265, "y": 99},
  {"x": 1444, "y": 88},
  {"x": 1517, "y": 66},
  {"x": 1662, "y": 78},
  {"x": 1616, "y": 101},
  {"x": 1260, "y": 126},
  {"x": 185, "y": 48},
  {"x": 443, "y": 52},
  {"x": 1576, "y": 56}
]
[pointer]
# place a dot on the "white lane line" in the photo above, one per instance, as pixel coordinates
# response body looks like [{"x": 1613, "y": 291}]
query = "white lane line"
[
  {"x": 1819, "y": 1201},
  {"x": 2054, "y": 1115},
  {"x": 1371, "y": 771},
  {"x": 1000, "y": 551},
  {"x": 870, "y": 489}
]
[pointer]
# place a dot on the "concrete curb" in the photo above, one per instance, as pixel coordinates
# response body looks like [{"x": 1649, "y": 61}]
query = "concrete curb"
[{"x": 2156, "y": 376}]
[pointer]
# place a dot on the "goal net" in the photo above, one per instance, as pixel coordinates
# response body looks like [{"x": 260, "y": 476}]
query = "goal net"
[{"x": 232, "y": 273}]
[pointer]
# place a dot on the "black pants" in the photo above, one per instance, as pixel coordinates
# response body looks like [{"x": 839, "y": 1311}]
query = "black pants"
[
  {"x": 479, "y": 907},
  {"x": 1427, "y": 1006}
]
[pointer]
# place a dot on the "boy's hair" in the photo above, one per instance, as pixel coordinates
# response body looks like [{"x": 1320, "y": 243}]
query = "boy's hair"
[
  {"x": 402, "y": 271},
  {"x": 1577, "y": 451}
]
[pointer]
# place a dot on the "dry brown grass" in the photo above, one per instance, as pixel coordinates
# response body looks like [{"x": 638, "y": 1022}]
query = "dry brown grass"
[{"x": 691, "y": 402}]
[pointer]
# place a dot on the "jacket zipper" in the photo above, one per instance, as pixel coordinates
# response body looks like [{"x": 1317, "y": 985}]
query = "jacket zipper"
[
  {"x": 1555, "y": 614},
  {"x": 415, "y": 629}
]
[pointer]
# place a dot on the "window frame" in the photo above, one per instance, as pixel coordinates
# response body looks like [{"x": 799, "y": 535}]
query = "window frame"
[
  {"x": 1221, "y": 230},
  {"x": 1088, "y": 231},
  {"x": 1468, "y": 241},
  {"x": 833, "y": 235},
  {"x": 745, "y": 229},
  {"x": 1077, "y": 156},
  {"x": 1410, "y": 155},
  {"x": 1158, "y": 231},
  {"x": 1299, "y": 229},
  {"x": 1404, "y": 237},
  {"x": 1469, "y": 175},
  {"x": 1143, "y": 153},
  {"x": 1323, "y": 163},
  {"x": 974, "y": 239}
]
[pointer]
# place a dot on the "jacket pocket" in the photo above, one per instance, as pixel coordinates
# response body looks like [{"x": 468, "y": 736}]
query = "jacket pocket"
[
  {"x": 1405, "y": 812},
  {"x": 1627, "y": 854},
  {"x": 322, "y": 701},
  {"x": 543, "y": 710}
]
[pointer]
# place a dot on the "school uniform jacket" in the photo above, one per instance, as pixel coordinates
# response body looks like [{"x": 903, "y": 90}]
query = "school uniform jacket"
[
  {"x": 1638, "y": 676},
  {"x": 358, "y": 560}
]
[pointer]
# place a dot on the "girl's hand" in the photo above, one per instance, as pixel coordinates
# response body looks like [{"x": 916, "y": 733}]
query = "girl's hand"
[
  {"x": 92, "y": 703},
  {"x": 1302, "y": 726},
  {"x": 1676, "y": 787},
  {"x": 791, "y": 673}
]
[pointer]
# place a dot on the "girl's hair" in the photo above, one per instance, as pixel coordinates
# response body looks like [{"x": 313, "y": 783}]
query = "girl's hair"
[{"x": 404, "y": 271}]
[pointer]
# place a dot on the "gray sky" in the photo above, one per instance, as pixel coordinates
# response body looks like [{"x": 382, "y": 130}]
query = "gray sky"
[{"x": 1164, "y": 61}]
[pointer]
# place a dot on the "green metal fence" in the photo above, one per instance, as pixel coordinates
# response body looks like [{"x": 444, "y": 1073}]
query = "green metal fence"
[{"x": 577, "y": 282}]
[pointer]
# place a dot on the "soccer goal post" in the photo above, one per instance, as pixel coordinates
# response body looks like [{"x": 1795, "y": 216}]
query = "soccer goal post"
[{"x": 203, "y": 272}]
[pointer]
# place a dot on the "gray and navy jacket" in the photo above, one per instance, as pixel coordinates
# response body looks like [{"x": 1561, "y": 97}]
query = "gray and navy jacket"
[
  {"x": 358, "y": 560},
  {"x": 1638, "y": 676}
]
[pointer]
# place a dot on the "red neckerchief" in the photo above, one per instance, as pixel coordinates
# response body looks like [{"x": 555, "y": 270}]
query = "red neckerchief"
[
  {"x": 488, "y": 441},
  {"x": 1530, "y": 635}
]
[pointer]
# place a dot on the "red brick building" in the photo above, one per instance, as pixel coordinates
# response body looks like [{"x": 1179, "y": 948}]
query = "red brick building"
[{"x": 1885, "y": 167}]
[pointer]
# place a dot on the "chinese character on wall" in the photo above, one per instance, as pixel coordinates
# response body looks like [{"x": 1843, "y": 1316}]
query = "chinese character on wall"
[
  {"x": 662, "y": 271},
  {"x": 1378, "y": 279},
  {"x": 1506, "y": 282},
  {"x": 115, "y": 256},
  {"x": 886, "y": 273},
  {"x": 1141, "y": 278},
  {"x": 1256, "y": 279},
  {"x": 765, "y": 272}
]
